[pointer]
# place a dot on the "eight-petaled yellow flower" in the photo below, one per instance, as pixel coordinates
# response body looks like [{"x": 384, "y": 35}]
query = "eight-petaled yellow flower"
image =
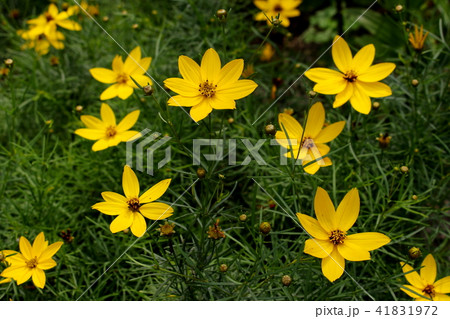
[
  {"x": 330, "y": 240},
  {"x": 32, "y": 261},
  {"x": 357, "y": 80},
  {"x": 132, "y": 208},
  {"x": 271, "y": 8},
  {"x": 208, "y": 86},
  {"x": 417, "y": 39},
  {"x": 309, "y": 144},
  {"x": 105, "y": 131},
  {"x": 424, "y": 286},
  {"x": 122, "y": 85}
]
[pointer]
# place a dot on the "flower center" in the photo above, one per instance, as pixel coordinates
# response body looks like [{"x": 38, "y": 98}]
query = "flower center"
[
  {"x": 207, "y": 89},
  {"x": 350, "y": 76},
  {"x": 48, "y": 16},
  {"x": 32, "y": 263},
  {"x": 307, "y": 143},
  {"x": 429, "y": 290},
  {"x": 277, "y": 8},
  {"x": 122, "y": 78},
  {"x": 337, "y": 237},
  {"x": 111, "y": 131},
  {"x": 133, "y": 205}
]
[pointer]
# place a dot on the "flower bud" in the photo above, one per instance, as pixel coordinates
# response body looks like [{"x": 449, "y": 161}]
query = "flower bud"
[
  {"x": 414, "y": 253},
  {"x": 9, "y": 62},
  {"x": 376, "y": 105},
  {"x": 265, "y": 228},
  {"x": 399, "y": 8},
  {"x": 231, "y": 120},
  {"x": 243, "y": 217},
  {"x": 201, "y": 172},
  {"x": 286, "y": 280},
  {"x": 312, "y": 94},
  {"x": 276, "y": 22},
  {"x": 404, "y": 169},
  {"x": 223, "y": 268},
  {"x": 221, "y": 14},
  {"x": 135, "y": 26},
  {"x": 270, "y": 129},
  {"x": 414, "y": 197},
  {"x": 415, "y": 82},
  {"x": 78, "y": 108},
  {"x": 105, "y": 19},
  {"x": 126, "y": 230},
  {"x": 148, "y": 90}
]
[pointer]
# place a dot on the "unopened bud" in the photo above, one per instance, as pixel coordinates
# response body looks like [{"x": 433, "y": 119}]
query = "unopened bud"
[
  {"x": 312, "y": 94},
  {"x": 404, "y": 169},
  {"x": 414, "y": 197},
  {"x": 201, "y": 172},
  {"x": 270, "y": 129},
  {"x": 286, "y": 280},
  {"x": 231, "y": 120},
  {"x": 415, "y": 82},
  {"x": 221, "y": 14},
  {"x": 223, "y": 268},
  {"x": 105, "y": 19},
  {"x": 265, "y": 228},
  {"x": 78, "y": 108},
  {"x": 126, "y": 230},
  {"x": 148, "y": 90},
  {"x": 9, "y": 62},
  {"x": 399, "y": 8},
  {"x": 243, "y": 218},
  {"x": 376, "y": 105},
  {"x": 135, "y": 26},
  {"x": 276, "y": 22},
  {"x": 414, "y": 253}
]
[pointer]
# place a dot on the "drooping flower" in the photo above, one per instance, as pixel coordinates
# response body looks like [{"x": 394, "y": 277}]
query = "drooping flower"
[
  {"x": 209, "y": 86},
  {"x": 309, "y": 144},
  {"x": 105, "y": 130},
  {"x": 271, "y": 8},
  {"x": 424, "y": 286},
  {"x": 417, "y": 39},
  {"x": 32, "y": 261},
  {"x": 330, "y": 240},
  {"x": 357, "y": 80},
  {"x": 132, "y": 208},
  {"x": 122, "y": 85}
]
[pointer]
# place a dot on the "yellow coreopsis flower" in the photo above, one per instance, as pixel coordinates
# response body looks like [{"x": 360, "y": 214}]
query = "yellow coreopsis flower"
[
  {"x": 330, "y": 240},
  {"x": 271, "y": 8},
  {"x": 208, "y": 86},
  {"x": 424, "y": 286},
  {"x": 41, "y": 43},
  {"x": 105, "y": 131},
  {"x": 132, "y": 208},
  {"x": 357, "y": 80},
  {"x": 32, "y": 261},
  {"x": 120, "y": 75},
  {"x": 309, "y": 144},
  {"x": 417, "y": 39}
]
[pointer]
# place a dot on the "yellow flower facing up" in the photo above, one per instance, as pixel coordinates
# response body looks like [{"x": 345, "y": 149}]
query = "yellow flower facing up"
[
  {"x": 271, "y": 8},
  {"x": 357, "y": 80},
  {"x": 417, "y": 39},
  {"x": 330, "y": 240},
  {"x": 424, "y": 286},
  {"x": 208, "y": 86},
  {"x": 309, "y": 144},
  {"x": 32, "y": 261},
  {"x": 105, "y": 130},
  {"x": 132, "y": 208},
  {"x": 122, "y": 85}
]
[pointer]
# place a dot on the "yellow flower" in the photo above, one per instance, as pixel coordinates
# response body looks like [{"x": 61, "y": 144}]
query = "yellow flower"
[
  {"x": 32, "y": 261},
  {"x": 358, "y": 79},
  {"x": 105, "y": 131},
  {"x": 308, "y": 145},
  {"x": 120, "y": 75},
  {"x": 271, "y": 8},
  {"x": 267, "y": 53},
  {"x": 424, "y": 286},
  {"x": 331, "y": 242},
  {"x": 132, "y": 208},
  {"x": 42, "y": 42},
  {"x": 208, "y": 86},
  {"x": 418, "y": 38}
]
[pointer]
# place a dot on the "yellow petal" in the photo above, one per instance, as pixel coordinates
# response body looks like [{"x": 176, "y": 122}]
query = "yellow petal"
[
  {"x": 374, "y": 89},
  {"x": 210, "y": 66},
  {"x": 155, "y": 191},
  {"x": 110, "y": 92},
  {"x": 182, "y": 87},
  {"x": 415, "y": 293},
  {"x": 179, "y": 100},
  {"x": 200, "y": 111},
  {"x": 442, "y": 286},
  {"x": 143, "y": 80},
  {"x": 100, "y": 145},
  {"x": 139, "y": 226},
  {"x": 318, "y": 248},
  {"x": 93, "y": 122},
  {"x": 360, "y": 101},
  {"x": 123, "y": 221},
  {"x": 376, "y": 72},
  {"x": 90, "y": 134},
  {"x": 231, "y": 72},
  {"x": 324, "y": 208},
  {"x": 316, "y": 118},
  {"x": 290, "y": 126},
  {"x": 333, "y": 266},
  {"x": 50, "y": 251},
  {"x": 15, "y": 271},
  {"x": 316, "y": 165},
  {"x": 219, "y": 102},
  {"x": 103, "y": 75},
  {"x": 39, "y": 244},
  {"x": 128, "y": 121},
  {"x": 130, "y": 183},
  {"x": 343, "y": 96},
  {"x": 189, "y": 69},
  {"x": 46, "y": 264},
  {"x": 313, "y": 227},
  {"x": 353, "y": 252},
  {"x": 117, "y": 64},
  {"x": 369, "y": 241},
  {"x": 237, "y": 90},
  {"x": 69, "y": 25},
  {"x": 348, "y": 210},
  {"x": 363, "y": 59},
  {"x": 25, "y": 248},
  {"x": 107, "y": 115},
  {"x": 428, "y": 270},
  {"x": 342, "y": 56},
  {"x": 4, "y": 281},
  {"x": 330, "y": 132},
  {"x": 132, "y": 60},
  {"x": 111, "y": 208},
  {"x": 127, "y": 136},
  {"x": 331, "y": 86},
  {"x": 156, "y": 211},
  {"x": 114, "y": 197},
  {"x": 124, "y": 91},
  {"x": 52, "y": 10},
  {"x": 22, "y": 276},
  {"x": 441, "y": 297},
  {"x": 38, "y": 277},
  {"x": 142, "y": 68},
  {"x": 323, "y": 75}
]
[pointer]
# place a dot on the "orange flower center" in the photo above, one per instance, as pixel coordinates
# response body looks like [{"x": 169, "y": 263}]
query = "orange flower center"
[
  {"x": 429, "y": 290},
  {"x": 308, "y": 143},
  {"x": 133, "y": 205},
  {"x": 277, "y": 8},
  {"x": 337, "y": 237},
  {"x": 32, "y": 263},
  {"x": 111, "y": 131},
  {"x": 207, "y": 89},
  {"x": 122, "y": 78},
  {"x": 350, "y": 76},
  {"x": 48, "y": 16}
]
